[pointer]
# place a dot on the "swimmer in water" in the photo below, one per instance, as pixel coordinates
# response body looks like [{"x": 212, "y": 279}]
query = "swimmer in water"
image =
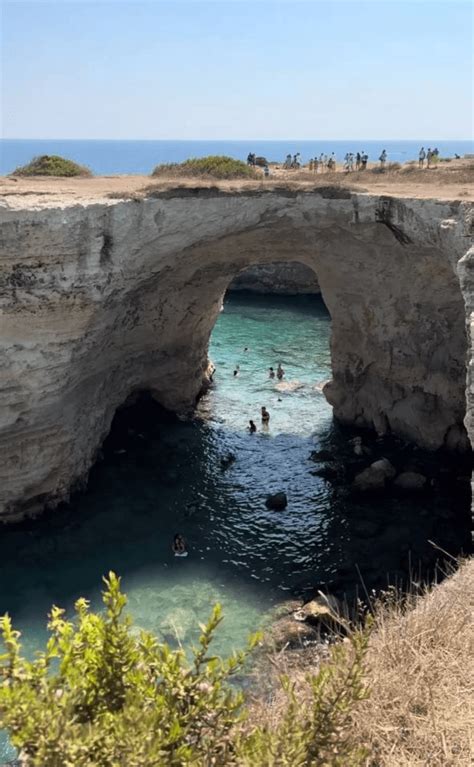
[
  {"x": 246, "y": 348},
  {"x": 251, "y": 427},
  {"x": 265, "y": 415},
  {"x": 236, "y": 371},
  {"x": 280, "y": 372},
  {"x": 179, "y": 544},
  {"x": 271, "y": 373}
]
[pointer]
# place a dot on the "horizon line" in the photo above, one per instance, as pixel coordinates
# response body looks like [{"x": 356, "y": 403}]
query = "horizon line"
[{"x": 384, "y": 138}]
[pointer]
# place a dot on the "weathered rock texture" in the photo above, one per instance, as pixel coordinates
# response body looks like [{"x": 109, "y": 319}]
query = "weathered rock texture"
[
  {"x": 290, "y": 278},
  {"x": 100, "y": 300}
]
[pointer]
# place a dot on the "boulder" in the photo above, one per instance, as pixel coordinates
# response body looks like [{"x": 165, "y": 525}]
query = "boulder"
[
  {"x": 410, "y": 480},
  {"x": 358, "y": 448},
  {"x": 277, "y": 501},
  {"x": 323, "y": 611},
  {"x": 375, "y": 476}
]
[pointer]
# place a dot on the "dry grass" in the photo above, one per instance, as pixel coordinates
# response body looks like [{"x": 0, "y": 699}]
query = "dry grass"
[{"x": 420, "y": 671}]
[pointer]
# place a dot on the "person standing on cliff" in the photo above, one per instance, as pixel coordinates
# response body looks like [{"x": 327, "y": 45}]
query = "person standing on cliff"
[
  {"x": 358, "y": 161},
  {"x": 383, "y": 159},
  {"x": 421, "y": 157}
]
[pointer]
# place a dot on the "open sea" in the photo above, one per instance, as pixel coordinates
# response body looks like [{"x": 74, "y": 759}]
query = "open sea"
[{"x": 115, "y": 157}]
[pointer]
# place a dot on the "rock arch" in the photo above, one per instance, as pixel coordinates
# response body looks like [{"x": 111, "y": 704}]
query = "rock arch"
[{"x": 103, "y": 299}]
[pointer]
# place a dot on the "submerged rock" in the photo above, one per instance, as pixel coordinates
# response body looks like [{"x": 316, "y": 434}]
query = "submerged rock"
[
  {"x": 375, "y": 476},
  {"x": 410, "y": 480},
  {"x": 277, "y": 501}
]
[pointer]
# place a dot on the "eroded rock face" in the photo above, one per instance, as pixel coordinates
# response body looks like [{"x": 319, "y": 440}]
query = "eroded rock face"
[
  {"x": 291, "y": 278},
  {"x": 98, "y": 301}
]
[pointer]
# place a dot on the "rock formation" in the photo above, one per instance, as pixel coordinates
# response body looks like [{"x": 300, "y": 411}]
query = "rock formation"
[
  {"x": 290, "y": 278},
  {"x": 104, "y": 299}
]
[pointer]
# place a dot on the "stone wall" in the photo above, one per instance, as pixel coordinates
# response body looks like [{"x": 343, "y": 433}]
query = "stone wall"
[{"x": 103, "y": 299}]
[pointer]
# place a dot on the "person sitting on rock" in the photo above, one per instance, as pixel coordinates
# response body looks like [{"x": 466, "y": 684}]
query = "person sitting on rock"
[
  {"x": 271, "y": 373},
  {"x": 265, "y": 415},
  {"x": 251, "y": 427},
  {"x": 280, "y": 372},
  {"x": 179, "y": 544}
]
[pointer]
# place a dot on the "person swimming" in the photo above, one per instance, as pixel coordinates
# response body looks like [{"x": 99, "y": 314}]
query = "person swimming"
[
  {"x": 236, "y": 371},
  {"x": 280, "y": 372},
  {"x": 265, "y": 415},
  {"x": 179, "y": 545},
  {"x": 251, "y": 427},
  {"x": 271, "y": 373}
]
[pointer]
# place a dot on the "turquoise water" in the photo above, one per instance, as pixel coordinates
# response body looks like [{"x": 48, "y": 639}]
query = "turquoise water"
[
  {"x": 105, "y": 157},
  {"x": 160, "y": 476}
]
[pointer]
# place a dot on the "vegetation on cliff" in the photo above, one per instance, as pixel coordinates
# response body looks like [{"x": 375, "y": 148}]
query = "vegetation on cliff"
[
  {"x": 213, "y": 166},
  {"x": 103, "y": 693},
  {"x": 51, "y": 165}
]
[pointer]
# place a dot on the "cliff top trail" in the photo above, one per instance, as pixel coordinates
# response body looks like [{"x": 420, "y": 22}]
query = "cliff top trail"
[{"x": 453, "y": 181}]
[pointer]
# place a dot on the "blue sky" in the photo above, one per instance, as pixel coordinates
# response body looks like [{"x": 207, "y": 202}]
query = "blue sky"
[{"x": 231, "y": 69}]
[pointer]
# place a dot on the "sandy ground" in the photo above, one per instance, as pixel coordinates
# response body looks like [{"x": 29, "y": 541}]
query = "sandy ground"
[{"x": 447, "y": 181}]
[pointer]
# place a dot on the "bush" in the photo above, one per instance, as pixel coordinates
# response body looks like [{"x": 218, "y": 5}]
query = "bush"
[
  {"x": 51, "y": 165},
  {"x": 215, "y": 166},
  {"x": 103, "y": 695}
]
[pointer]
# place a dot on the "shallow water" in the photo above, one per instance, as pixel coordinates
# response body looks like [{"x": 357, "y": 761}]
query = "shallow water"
[{"x": 163, "y": 476}]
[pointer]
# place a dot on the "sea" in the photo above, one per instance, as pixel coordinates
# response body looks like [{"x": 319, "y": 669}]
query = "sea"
[{"x": 104, "y": 157}]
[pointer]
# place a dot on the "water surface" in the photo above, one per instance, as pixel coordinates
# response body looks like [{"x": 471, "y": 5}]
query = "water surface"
[{"x": 160, "y": 476}]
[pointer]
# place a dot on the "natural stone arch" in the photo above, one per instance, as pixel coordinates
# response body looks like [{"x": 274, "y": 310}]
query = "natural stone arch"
[{"x": 102, "y": 300}]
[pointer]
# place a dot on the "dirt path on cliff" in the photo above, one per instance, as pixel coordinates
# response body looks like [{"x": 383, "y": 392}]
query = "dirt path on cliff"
[{"x": 450, "y": 181}]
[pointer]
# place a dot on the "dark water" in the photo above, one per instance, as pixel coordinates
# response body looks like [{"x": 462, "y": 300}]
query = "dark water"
[
  {"x": 112, "y": 157},
  {"x": 163, "y": 476}
]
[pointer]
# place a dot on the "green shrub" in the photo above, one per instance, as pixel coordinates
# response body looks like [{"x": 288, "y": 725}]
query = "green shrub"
[
  {"x": 101, "y": 695},
  {"x": 215, "y": 166},
  {"x": 51, "y": 165}
]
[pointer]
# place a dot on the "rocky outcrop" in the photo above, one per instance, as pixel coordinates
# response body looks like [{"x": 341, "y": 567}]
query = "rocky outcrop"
[
  {"x": 290, "y": 278},
  {"x": 104, "y": 299}
]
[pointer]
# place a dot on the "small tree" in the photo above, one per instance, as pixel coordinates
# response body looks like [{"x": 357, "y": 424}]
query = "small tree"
[{"x": 100, "y": 695}]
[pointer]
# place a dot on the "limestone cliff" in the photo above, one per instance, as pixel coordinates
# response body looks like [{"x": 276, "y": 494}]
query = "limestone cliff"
[{"x": 100, "y": 300}]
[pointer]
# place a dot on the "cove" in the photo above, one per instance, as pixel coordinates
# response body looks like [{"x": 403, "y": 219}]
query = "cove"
[{"x": 160, "y": 475}]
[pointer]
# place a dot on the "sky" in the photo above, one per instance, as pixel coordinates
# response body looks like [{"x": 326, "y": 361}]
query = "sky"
[{"x": 231, "y": 69}]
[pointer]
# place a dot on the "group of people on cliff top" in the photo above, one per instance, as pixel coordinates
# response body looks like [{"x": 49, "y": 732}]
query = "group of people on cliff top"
[
  {"x": 429, "y": 156},
  {"x": 352, "y": 161}
]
